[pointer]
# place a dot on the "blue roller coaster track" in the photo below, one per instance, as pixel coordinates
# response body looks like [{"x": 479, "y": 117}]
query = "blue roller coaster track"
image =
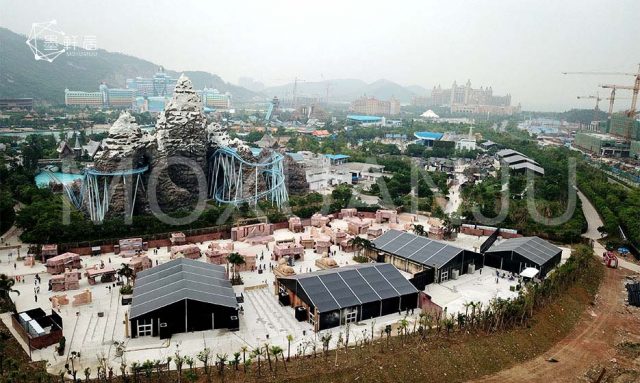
[
  {"x": 229, "y": 173},
  {"x": 96, "y": 189}
]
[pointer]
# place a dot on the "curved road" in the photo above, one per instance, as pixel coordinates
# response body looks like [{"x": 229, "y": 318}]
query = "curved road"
[{"x": 591, "y": 342}]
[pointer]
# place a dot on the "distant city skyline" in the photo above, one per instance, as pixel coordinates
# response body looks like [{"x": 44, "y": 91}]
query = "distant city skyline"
[{"x": 519, "y": 48}]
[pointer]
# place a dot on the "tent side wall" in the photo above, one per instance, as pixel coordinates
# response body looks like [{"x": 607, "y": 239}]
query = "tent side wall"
[
  {"x": 462, "y": 261},
  {"x": 200, "y": 316},
  {"x": 514, "y": 262}
]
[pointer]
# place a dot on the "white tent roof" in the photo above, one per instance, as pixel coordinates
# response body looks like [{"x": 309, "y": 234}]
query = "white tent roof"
[
  {"x": 529, "y": 272},
  {"x": 429, "y": 114}
]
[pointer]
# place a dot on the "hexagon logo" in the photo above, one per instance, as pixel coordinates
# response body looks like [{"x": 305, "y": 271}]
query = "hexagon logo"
[{"x": 45, "y": 41}]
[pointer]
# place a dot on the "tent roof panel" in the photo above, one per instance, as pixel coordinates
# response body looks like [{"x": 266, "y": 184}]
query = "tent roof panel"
[{"x": 181, "y": 279}]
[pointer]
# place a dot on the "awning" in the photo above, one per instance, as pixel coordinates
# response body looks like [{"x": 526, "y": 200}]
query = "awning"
[{"x": 529, "y": 272}]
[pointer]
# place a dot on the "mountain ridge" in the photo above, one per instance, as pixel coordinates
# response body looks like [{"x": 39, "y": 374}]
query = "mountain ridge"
[
  {"x": 23, "y": 76},
  {"x": 344, "y": 90}
]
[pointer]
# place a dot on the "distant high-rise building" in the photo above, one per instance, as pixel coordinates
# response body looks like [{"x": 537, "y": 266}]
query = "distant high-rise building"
[
  {"x": 372, "y": 106},
  {"x": 104, "y": 97},
  {"x": 465, "y": 99},
  {"x": 161, "y": 84},
  {"x": 214, "y": 99},
  {"x": 79, "y": 98},
  {"x": 16, "y": 103}
]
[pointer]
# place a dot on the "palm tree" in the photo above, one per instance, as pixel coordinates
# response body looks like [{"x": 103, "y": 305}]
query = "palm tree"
[
  {"x": 257, "y": 353},
  {"x": 289, "y": 340},
  {"x": 266, "y": 349},
  {"x": 244, "y": 359},
  {"x": 127, "y": 272},
  {"x": 6, "y": 287},
  {"x": 235, "y": 259},
  {"x": 359, "y": 243},
  {"x": 276, "y": 350},
  {"x": 236, "y": 360},
  {"x": 222, "y": 360},
  {"x": 418, "y": 230}
]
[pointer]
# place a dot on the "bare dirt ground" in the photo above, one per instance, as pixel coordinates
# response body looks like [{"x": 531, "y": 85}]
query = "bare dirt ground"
[{"x": 593, "y": 344}]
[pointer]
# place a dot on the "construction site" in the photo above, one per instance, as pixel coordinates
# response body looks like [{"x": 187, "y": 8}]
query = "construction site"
[{"x": 616, "y": 140}]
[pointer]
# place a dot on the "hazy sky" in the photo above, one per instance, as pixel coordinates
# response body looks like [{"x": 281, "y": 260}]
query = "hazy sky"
[{"x": 517, "y": 46}]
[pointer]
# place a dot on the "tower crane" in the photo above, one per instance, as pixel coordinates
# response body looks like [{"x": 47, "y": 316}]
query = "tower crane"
[
  {"x": 597, "y": 108},
  {"x": 596, "y": 97},
  {"x": 635, "y": 88}
]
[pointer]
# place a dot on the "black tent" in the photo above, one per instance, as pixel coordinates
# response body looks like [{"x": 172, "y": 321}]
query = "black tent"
[
  {"x": 516, "y": 254},
  {"x": 350, "y": 294},
  {"x": 182, "y": 295},
  {"x": 414, "y": 254}
]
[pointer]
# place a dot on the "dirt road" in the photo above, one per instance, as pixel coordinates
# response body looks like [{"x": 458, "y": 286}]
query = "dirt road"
[{"x": 590, "y": 344}]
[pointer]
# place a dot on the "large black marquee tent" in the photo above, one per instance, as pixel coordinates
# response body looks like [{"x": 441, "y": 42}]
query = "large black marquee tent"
[
  {"x": 516, "y": 254},
  {"x": 415, "y": 254},
  {"x": 349, "y": 294},
  {"x": 182, "y": 295}
]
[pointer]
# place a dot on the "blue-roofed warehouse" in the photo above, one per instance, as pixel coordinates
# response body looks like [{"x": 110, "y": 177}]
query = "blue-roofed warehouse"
[
  {"x": 337, "y": 159},
  {"x": 427, "y": 138},
  {"x": 364, "y": 119}
]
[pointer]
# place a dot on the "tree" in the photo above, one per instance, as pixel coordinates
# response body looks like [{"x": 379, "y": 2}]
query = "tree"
[
  {"x": 127, "y": 272},
  {"x": 419, "y": 230},
  {"x": 235, "y": 259},
  {"x": 275, "y": 351},
  {"x": 6, "y": 287},
  {"x": 360, "y": 243},
  {"x": 178, "y": 360},
  {"x": 266, "y": 350},
  {"x": 205, "y": 356},
  {"x": 236, "y": 360},
  {"x": 222, "y": 360},
  {"x": 257, "y": 353},
  {"x": 244, "y": 360},
  {"x": 289, "y": 340}
]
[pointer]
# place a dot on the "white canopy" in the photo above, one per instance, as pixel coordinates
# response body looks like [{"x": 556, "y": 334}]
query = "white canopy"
[
  {"x": 429, "y": 114},
  {"x": 529, "y": 272}
]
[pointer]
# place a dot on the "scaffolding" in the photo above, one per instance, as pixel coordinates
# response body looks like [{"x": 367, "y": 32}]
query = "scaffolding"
[{"x": 230, "y": 176}]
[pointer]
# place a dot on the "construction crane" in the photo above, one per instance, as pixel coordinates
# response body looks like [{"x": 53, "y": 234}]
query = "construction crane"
[
  {"x": 597, "y": 108},
  {"x": 635, "y": 88},
  {"x": 596, "y": 97}
]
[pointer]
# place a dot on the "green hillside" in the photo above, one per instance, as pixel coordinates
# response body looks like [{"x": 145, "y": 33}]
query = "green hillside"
[{"x": 22, "y": 76}]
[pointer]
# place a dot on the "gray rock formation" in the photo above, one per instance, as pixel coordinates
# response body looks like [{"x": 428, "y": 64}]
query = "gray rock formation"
[
  {"x": 295, "y": 176},
  {"x": 126, "y": 148},
  {"x": 181, "y": 137}
]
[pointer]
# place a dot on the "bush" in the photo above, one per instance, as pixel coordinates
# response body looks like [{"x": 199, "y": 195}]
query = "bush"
[{"x": 126, "y": 290}]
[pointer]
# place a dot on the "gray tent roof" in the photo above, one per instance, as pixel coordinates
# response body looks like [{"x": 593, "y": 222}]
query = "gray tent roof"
[
  {"x": 416, "y": 248},
  {"x": 353, "y": 285},
  {"x": 518, "y": 158},
  {"x": 178, "y": 280},
  {"x": 528, "y": 165},
  {"x": 535, "y": 249},
  {"x": 507, "y": 152}
]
